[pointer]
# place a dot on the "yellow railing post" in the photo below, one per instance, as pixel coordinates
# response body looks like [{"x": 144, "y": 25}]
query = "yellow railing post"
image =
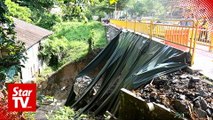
[
  {"x": 194, "y": 43},
  {"x": 126, "y": 24},
  {"x": 211, "y": 41},
  {"x": 192, "y": 38},
  {"x": 151, "y": 29},
  {"x": 135, "y": 26}
]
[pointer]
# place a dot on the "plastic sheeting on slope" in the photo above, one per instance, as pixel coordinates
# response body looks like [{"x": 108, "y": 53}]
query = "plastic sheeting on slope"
[
  {"x": 130, "y": 60},
  {"x": 112, "y": 32}
]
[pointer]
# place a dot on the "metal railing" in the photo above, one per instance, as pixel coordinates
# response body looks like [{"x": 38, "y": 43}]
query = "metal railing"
[
  {"x": 205, "y": 37},
  {"x": 171, "y": 32}
]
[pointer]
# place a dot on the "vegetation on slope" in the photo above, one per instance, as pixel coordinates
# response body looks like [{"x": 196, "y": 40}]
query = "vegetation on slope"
[{"x": 71, "y": 41}]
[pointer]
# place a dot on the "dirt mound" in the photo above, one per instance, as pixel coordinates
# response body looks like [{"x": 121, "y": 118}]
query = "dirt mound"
[{"x": 186, "y": 94}]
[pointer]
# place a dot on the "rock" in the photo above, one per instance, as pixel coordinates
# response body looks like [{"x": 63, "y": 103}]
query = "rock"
[
  {"x": 182, "y": 97},
  {"x": 209, "y": 100},
  {"x": 194, "y": 79},
  {"x": 191, "y": 85},
  {"x": 203, "y": 103},
  {"x": 197, "y": 94},
  {"x": 211, "y": 109},
  {"x": 203, "y": 94},
  {"x": 180, "y": 106},
  {"x": 81, "y": 84},
  {"x": 183, "y": 76},
  {"x": 209, "y": 112},
  {"x": 197, "y": 98},
  {"x": 200, "y": 102},
  {"x": 190, "y": 95},
  {"x": 181, "y": 92},
  {"x": 160, "y": 81},
  {"x": 201, "y": 113},
  {"x": 192, "y": 82},
  {"x": 165, "y": 100},
  {"x": 153, "y": 94},
  {"x": 197, "y": 104},
  {"x": 175, "y": 81}
]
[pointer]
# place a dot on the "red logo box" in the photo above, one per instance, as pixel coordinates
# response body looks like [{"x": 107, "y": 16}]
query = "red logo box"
[{"x": 22, "y": 97}]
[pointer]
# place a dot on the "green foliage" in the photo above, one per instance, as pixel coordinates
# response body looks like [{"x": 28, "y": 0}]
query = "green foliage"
[
  {"x": 54, "y": 50},
  {"x": 81, "y": 32},
  {"x": 36, "y": 4},
  {"x": 29, "y": 115},
  {"x": 18, "y": 11},
  {"x": 66, "y": 113},
  {"x": 75, "y": 10},
  {"x": 145, "y": 8},
  {"x": 121, "y": 4},
  {"x": 38, "y": 11},
  {"x": 70, "y": 42},
  {"x": 11, "y": 52},
  {"x": 101, "y": 8},
  {"x": 46, "y": 20}
]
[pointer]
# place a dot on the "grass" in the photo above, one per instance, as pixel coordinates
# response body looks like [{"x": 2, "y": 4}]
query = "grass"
[
  {"x": 70, "y": 42},
  {"x": 73, "y": 31}
]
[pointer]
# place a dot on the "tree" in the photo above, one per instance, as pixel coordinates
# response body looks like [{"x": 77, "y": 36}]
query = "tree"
[
  {"x": 11, "y": 51},
  {"x": 146, "y": 8},
  {"x": 122, "y": 4},
  {"x": 15, "y": 10},
  {"x": 36, "y": 4},
  {"x": 75, "y": 9},
  {"x": 99, "y": 8},
  {"x": 38, "y": 10}
]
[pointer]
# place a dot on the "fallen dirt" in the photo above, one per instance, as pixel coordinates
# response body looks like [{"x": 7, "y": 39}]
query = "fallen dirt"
[
  {"x": 59, "y": 84},
  {"x": 186, "y": 94}
]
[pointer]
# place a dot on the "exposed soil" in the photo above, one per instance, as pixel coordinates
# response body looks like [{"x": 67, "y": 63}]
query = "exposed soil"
[
  {"x": 59, "y": 84},
  {"x": 189, "y": 95}
]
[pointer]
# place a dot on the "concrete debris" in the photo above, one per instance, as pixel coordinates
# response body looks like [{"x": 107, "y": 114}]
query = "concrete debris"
[
  {"x": 180, "y": 106},
  {"x": 81, "y": 84},
  {"x": 194, "y": 79},
  {"x": 183, "y": 92}
]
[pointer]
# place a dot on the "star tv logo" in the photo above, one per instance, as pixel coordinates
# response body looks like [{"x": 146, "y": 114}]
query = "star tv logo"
[{"x": 22, "y": 97}]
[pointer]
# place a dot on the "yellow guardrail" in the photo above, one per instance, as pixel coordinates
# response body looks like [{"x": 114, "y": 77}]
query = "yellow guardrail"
[
  {"x": 211, "y": 42},
  {"x": 205, "y": 38},
  {"x": 172, "y": 33}
]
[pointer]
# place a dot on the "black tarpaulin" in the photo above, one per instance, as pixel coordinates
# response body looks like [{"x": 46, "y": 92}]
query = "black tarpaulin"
[{"x": 130, "y": 60}]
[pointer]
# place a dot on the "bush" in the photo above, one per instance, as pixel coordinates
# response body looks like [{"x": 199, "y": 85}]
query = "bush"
[
  {"x": 71, "y": 41},
  {"x": 18, "y": 11},
  {"x": 46, "y": 20},
  {"x": 81, "y": 32},
  {"x": 66, "y": 113}
]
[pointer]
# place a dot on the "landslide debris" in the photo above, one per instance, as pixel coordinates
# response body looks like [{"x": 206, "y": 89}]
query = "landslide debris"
[{"x": 184, "y": 93}]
